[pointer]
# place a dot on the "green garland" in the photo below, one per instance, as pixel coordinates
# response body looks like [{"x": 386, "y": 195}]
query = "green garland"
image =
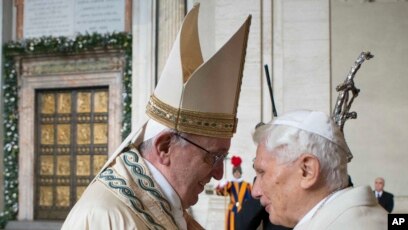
[{"x": 50, "y": 45}]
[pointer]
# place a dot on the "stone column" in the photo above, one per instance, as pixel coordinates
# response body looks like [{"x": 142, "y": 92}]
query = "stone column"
[
  {"x": 143, "y": 66},
  {"x": 170, "y": 16},
  {"x": 19, "y": 4}
]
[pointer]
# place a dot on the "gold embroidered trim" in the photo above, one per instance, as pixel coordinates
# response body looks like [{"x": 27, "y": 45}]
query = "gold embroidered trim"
[{"x": 220, "y": 125}]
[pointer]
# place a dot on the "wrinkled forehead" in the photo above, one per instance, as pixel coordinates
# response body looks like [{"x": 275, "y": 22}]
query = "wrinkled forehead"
[{"x": 264, "y": 156}]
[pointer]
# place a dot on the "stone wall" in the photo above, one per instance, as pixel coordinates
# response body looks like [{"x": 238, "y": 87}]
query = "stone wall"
[{"x": 378, "y": 137}]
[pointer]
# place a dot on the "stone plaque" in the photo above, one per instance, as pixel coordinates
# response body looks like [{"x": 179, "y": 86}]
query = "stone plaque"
[
  {"x": 100, "y": 16},
  {"x": 72, "y": 17},
  {"x": 43, "y": 17}
]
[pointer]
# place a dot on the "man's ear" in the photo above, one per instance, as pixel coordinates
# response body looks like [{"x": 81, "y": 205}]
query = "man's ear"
[
  {"x": 310, "y": 168},
  {"x": 162, "y": 146}
]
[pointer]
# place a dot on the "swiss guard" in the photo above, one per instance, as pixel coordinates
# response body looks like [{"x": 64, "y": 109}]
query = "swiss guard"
[{"x": 237, "y": 189}]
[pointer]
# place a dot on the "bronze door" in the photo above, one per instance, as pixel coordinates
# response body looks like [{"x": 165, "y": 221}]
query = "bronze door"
[{"x": 71, "y": 146}]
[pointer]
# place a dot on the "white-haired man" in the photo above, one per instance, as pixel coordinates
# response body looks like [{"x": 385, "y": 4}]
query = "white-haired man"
[
  {"x": 302, "y": 180},
  {"x": 385, "y": 199}
]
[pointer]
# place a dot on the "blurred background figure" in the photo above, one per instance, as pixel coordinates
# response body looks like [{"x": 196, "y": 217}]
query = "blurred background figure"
[
  {"x": 237, "y": 189},
  {"x": 385, "y": 199}
]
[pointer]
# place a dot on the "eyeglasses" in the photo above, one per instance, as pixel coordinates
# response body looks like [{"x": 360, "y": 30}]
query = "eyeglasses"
[{"x": 211, "y": 158}]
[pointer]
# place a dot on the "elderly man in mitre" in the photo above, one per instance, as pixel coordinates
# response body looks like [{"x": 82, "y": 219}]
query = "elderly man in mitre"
[{"x": 159, "y": 171}]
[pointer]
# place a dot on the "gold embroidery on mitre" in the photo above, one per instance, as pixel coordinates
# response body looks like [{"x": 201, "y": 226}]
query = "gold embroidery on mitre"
[{"x": 220, "y": 125}]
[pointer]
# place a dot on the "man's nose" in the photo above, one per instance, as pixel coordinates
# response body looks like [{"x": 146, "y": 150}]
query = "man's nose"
[
  {"x": 256, "y": 190},
  {"x": 218, "y": 170}
]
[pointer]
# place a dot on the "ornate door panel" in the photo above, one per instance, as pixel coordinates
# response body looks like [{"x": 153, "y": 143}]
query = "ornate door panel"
[{"x": 71, "y": 146}]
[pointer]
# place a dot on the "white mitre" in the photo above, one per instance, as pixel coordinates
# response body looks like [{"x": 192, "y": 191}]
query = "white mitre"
[
  {"x": 199, "y": 97},
  {"x": 194, "y": 96}
]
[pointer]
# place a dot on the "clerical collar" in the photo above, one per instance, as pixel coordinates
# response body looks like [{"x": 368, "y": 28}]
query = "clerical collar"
[
  {"x": 170, "y": 194},
  {"x": 309, "y": 215}
]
